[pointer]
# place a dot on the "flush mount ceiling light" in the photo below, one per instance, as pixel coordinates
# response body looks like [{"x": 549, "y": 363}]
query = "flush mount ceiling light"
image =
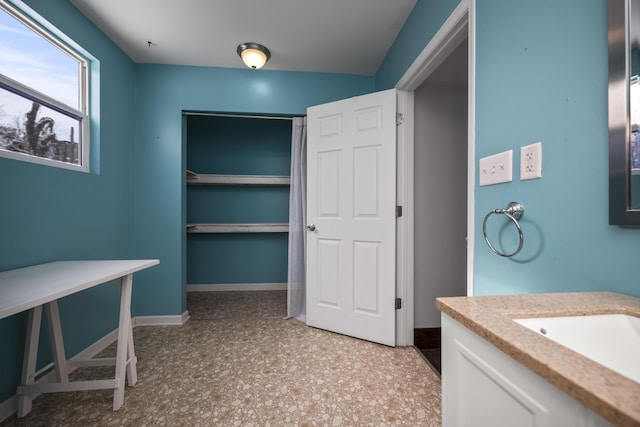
[{"x": 254, "y": 55}]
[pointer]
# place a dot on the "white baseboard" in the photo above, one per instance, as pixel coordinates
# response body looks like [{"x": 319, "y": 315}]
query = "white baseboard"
[
  {"x": 237, "y": 287},
  {"x": 178, "y": 320},
  {"x": 10, "y": 406}
]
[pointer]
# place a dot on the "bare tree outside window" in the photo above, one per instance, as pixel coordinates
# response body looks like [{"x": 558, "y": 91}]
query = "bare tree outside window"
[{"x": 41, "y": 132}]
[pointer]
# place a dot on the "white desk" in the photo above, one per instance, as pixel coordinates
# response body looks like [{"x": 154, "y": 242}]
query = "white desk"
[{"x": 31, "y": 288}]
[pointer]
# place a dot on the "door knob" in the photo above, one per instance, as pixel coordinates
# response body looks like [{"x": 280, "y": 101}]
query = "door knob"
[{"x": 311, "y": 227}]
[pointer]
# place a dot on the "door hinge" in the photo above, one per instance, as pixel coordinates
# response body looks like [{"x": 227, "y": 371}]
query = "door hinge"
[
  {"x": 398, "y": 303},
  {"x": 398, "y": 211},
  {"x": 399, "y": 119}
]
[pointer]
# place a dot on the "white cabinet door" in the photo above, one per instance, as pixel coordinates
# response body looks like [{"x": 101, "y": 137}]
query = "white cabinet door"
[
  {"x": 482, "y": 386},
  {"x": 351, "y": 200}
]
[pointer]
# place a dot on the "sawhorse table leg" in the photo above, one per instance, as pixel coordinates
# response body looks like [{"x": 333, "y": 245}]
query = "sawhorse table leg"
[
  {"x": 30, "y": 357},
  {"x": 125, "y": 360},
  {"x": 29, "y": 373},
  {"x": 125, "y": 357}
]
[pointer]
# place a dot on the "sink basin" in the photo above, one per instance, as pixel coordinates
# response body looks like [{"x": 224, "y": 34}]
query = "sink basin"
[{"x": 613, "y": 340}]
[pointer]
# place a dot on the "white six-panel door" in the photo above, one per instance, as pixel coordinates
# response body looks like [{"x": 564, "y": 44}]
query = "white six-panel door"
[{"x": 351, "y": 212}]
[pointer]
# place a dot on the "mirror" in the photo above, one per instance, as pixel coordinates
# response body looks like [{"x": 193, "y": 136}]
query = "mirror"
[{"x": 624, "y": 112}]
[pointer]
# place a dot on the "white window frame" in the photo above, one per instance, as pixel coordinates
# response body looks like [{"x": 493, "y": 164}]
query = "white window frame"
[{"x": 82, "y": 114}]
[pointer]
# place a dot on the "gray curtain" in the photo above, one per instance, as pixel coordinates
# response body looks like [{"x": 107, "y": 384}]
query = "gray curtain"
[{"x": 296, "y": 282}]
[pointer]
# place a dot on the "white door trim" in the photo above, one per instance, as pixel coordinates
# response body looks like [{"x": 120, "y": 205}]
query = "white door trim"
[
  {"x": 405, "y": 224},
  {"x": 458, "y": 26}
]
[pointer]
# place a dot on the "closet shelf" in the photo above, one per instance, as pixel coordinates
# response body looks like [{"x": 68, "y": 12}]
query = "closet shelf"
[
  {"x": 238, "y": 228},
  {"x": 215, "y": 179}
]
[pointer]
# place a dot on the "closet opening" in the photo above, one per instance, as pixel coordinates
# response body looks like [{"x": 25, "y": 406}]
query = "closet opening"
[{"x": 237, "y": 201}]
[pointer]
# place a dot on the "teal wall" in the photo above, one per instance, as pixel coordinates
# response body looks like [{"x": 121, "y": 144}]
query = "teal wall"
[
  {"x": 550, "y": 86},
  {"x": 237, "y": 146},
  {"x": 52, "y": 214},
  {"x": 541, "y": 75}
]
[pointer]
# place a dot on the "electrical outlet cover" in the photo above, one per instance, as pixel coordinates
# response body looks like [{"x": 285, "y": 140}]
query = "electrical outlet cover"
[{"x": 531, "y": 161}]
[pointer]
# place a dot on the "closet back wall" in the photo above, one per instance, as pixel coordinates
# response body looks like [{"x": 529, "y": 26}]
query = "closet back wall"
[{"x": 237, "y": 146}]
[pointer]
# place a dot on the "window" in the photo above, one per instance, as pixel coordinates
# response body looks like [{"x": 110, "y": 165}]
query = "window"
[{"x": 43, "y": 95}]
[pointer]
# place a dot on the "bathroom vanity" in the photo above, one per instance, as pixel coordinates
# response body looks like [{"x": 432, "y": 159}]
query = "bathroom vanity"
[{"x": 497, "y": 372}]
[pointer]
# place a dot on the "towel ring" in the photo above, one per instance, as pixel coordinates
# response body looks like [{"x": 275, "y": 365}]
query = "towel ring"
[{"x": 514, "y": 212}]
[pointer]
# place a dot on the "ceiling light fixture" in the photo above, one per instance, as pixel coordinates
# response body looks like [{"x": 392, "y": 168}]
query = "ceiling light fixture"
[{"x": 254, "y": 55}]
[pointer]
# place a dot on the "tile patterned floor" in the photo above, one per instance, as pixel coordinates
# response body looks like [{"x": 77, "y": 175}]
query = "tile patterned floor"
[{"x": 237, "y": 362}]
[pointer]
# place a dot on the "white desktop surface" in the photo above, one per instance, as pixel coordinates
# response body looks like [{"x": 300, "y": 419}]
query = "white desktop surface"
[{"x": 28, "y": 287}]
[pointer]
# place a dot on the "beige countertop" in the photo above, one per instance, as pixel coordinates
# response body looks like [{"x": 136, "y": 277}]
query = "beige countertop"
[{"x": 611, "y": 395}]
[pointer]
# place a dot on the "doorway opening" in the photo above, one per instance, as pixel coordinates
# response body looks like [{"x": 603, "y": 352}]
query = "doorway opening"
[{"x": 440, "y": 195}]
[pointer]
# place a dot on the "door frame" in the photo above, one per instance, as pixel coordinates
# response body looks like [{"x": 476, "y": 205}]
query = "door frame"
[{"x": 458, "y": 26}]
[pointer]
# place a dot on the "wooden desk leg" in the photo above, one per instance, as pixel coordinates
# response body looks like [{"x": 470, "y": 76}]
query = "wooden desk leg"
[
  {"x": 132, "y": 370},
  {"x": 57, "y": 343},
  {"x": 132, "y": 374},
  {"x": 124, "y": 334},
  {"x": 29, "y": 360}
]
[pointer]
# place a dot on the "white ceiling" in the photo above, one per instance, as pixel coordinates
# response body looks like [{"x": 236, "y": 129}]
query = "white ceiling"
[{"x": 333, "y": 36}]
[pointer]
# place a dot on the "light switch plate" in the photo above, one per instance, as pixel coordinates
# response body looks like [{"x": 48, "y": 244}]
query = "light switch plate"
[{"x": 496, "y": 169}]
